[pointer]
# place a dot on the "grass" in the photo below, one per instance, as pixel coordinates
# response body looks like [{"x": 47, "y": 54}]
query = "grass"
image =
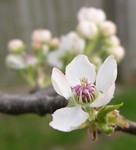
[{"x": 28, "y": 132}]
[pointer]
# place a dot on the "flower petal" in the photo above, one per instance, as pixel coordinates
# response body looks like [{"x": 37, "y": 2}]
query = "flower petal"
[
  {"x": 107, "y": 74},
  {"x": 53, "y": 58},
  {"x": 60, "y": 83},
  {"x": 105, "y": 98},
  {"x": 79, "y": 68},
  {"x": 68, "y": 119}
]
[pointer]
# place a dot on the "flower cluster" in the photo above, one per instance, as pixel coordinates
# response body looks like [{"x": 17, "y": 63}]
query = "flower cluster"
[
  {"x": 88, "y": 94},
  {"x": 31, "y": 65},
  {"x": 94, "y": 36}
]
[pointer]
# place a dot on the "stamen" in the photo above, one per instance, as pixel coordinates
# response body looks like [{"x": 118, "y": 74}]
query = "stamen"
[{"x": 85, "y": 92}]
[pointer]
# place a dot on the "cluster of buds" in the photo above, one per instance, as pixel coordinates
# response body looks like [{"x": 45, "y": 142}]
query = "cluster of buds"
[
  {"x": 31, "y": 65},
  {"x": 42, "y": 41},
  {"x": 94, "y": 36},
  {"x": 94, "y": 26}
]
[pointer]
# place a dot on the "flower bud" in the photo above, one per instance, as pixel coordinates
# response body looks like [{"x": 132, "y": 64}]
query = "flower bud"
[
  {"x": 108, "y": 28},
  {"x": 91, "y": 15},
  {"x": 15, "y": 62},
  {"x": 87, "y": 29},
  {"x": 113, "y": 41},
  {"x": 72, "y": 42},
  {"x": 41, "y": 35},
  {"x": 45, "y": 49},
  {"x": 30, "y": 60},
  {"x": 15, "y": 46},
  {"x": 118, "y": 52},
  {"x": 55, "y": 42}
]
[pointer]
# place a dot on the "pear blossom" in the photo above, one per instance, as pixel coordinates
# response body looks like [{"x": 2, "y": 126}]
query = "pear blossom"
[
  {"x": 71, "y": 42},
  {"x": 41, "y": 35},
  {"x": 15, "y": 62},
  {"x": 118, "y": 52},
  {"x": 30, "y": 60},
  {"x": 15, "y": 45},
  {"x": 113, "y": 41},
  {"x": 91, "y": 15},
  {"x": 87, "y": 29},
  {"x": 108, "y": 28},
  {"x": 53, "y": 58},
  {"x": 81, "y": 84}
]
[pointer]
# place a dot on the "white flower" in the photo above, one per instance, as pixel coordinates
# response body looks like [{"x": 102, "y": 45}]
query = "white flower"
[
  {"x": 54, "y": 58},
  {"x": 15, "y": 62},
  {"x": 15, "y": 45},
  {"x": 55, "y": 42},
  {"x": 87, "y": 29},
  {"x": 30, "y": 60},
  {"x": 82, "y": 84},
  {"x": 45, "y": 49},
  {"x": 113, "y": 41},
  {"x": 72, "y": 42},
  {"x": 118, "y": 52},
  {"x": 41, "y": 35},
  {"x": 108, "y": 28},
  {"x": 91, "y": 14}
]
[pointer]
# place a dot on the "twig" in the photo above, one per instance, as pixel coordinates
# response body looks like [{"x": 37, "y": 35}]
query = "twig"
[{"x": 42, "y": 102}]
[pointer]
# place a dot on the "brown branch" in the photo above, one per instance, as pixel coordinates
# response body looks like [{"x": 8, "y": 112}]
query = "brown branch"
[{"x": 42, "y": 102}]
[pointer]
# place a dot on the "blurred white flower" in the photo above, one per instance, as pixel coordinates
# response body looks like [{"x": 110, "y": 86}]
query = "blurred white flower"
[
  {"x": 55, "y": 42},
  {"x": 41, "y": 35},
  {"x": 91, "y": 14},
  {"x": 113, "y": 41},
  {"x": 87, "y": 29},
  {"x": 118, "y": 52},
  {"x": 45, "y": 49},
  {"x": 54, "y": 58},
  {"x": 81, "y": 83},
  {"x": 108, "y": 28},
  {"x": 15, "y": 62},
  {"x": 97, "y": 61},
  {"x": 30, "y": 60},
  {"x": 15, "y": 45},
  {"x": 72, "y": 42}
]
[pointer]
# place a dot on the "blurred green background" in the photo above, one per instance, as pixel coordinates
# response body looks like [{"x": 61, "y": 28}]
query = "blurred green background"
[{"x": 18, "y": 19}]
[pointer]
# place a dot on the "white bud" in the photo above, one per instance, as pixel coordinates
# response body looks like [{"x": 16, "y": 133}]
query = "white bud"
[
  {"x": 118, "y": 52},
  {"x": 15, "y": 45},
  {"x": 91, "y": 14},
  {"x": 113, "y": 41},
  {"x": 45, "y": 49},
  {"x": 54, "y": 58},
  {"x": 72, "y": 42},
  {"x": 41, "y": 35},
  {"x": 15, "y": 62},
  {"x": 55, "y": 42},
  {"x": 87, "y": 29},
  {"x": 97, "y": 61},
  {"x": 30, "y": 60},
  {"x": 108, "y": 28}
]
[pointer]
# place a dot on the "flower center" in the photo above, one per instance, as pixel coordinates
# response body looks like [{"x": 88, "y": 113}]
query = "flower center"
[{"x": 85, "y": 93}]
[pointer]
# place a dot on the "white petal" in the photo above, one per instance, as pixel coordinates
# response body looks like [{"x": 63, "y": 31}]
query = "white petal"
[
  {"x": 53, "y": 58},
  {"x": 79, "y": 68},
  {"x": 107, "y": 74},
  {"x": 68, "y": 119},
  {"x": 105, "y": 98},
  {"x": 60, "y": 83}
]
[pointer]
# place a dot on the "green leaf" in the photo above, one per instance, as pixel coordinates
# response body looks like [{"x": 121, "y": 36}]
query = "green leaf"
[
  {"x": 106, "y": 129},
  {"x": 101, "y": 116}
]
